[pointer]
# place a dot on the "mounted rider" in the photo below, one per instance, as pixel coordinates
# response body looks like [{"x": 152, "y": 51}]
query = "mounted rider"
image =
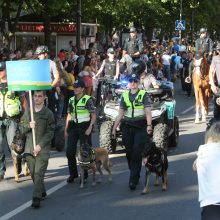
[
  {"x": 133, "y": 45},
  {"x": 203, "y": 47}
]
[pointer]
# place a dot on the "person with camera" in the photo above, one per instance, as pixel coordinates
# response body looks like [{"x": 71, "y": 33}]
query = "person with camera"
[
  {"x": 214, "y": 78},
  {"x": 12, "y": 105},
  {"x": 133, "y": 45},
  {"x": 136, "y": 123},
  {"x": 79, "y": 124}
]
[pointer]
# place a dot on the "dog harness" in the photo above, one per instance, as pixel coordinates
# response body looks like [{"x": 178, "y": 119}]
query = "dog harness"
[
  {"x": 85, "y": 163},
  {"x": 155, "y": 167}
]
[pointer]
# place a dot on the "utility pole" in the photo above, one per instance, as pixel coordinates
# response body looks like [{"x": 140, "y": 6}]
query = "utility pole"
[
  {"x": 78, "y": 26},
  {"x": 180, "y": 31}
]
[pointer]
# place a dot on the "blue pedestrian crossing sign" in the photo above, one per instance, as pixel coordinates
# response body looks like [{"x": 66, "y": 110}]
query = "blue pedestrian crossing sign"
[{"x": 180, "y": 25}]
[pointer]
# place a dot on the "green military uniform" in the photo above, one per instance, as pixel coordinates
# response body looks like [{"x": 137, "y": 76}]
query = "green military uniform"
[{"x": 44, "y": 131}]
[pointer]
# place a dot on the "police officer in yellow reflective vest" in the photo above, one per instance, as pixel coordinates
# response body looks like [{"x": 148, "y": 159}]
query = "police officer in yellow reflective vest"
[
  {"x": 79, "y": 123},
  {"x": 135, "y": 110},
  {"x": 11, "y": 106}
]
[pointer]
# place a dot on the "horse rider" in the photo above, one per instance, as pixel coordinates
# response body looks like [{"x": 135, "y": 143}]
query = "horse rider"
[
  {"x": 214, "y": 78},
  {"x": 135, "y": 114},
  {"x": 203, "y": 47},
  {"x": 133, "y": 45}
]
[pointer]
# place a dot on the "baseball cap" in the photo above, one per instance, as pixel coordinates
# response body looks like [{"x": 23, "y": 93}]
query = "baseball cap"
[
  {"x": 132, "y": 29},
  {"x": 134, "y": 77},
  {"x": 61, "y": 55},
  {"x": 79, "y": 83},
  {"x": 2, "y": 65},
  {"x": 110, "y": 50}
]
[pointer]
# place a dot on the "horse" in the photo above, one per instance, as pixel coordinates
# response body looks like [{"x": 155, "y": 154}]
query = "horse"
[{"x": 202, "y": 88}]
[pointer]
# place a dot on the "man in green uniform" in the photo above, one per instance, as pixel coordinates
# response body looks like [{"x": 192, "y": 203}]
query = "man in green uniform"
[{"x": 37, "y": 157}]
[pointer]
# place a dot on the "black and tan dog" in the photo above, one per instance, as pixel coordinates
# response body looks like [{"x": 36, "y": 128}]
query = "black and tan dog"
[
  {"x": 90, "y": 158},
  {"x": 155, "y": 162},
  {"x": 17, "y": 150}
]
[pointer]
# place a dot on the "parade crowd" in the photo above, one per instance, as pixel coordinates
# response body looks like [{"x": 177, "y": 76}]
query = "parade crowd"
[{"x": 75, "y": 93}]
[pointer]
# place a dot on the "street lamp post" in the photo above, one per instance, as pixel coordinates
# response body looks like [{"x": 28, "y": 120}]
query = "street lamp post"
[
  {"x": 78, "y": 26},
  {"x": 181, "y": 10}
]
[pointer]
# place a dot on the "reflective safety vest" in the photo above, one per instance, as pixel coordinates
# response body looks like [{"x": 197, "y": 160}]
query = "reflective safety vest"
[
  {"x": 10, "y": 104},
  {"x": 79, "y": 112},
  {"x": 134, "y": 109}
]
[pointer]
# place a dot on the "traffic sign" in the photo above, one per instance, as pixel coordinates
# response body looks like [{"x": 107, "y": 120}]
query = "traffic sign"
[{"x": 180, "y": 25}]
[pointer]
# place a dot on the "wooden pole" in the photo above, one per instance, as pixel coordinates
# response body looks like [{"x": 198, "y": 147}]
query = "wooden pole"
[{"x": 32, "y": 117}]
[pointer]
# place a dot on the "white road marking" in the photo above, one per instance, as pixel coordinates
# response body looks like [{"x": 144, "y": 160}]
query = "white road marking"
[
  {"x": 64, "y": 183},
  {"x": 28, "y": 204},
  {"x": 187, "y": 110}
]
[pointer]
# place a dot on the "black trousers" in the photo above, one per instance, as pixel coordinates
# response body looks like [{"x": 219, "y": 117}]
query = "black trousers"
[
  {"x": 76, "y": 132},
  {"x": 135, "y": 140},
  {"x": 210, "y": 212}
]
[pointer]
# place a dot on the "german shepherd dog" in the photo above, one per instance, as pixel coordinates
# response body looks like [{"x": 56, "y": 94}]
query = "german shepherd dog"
[
  {"x": 156, "y": 162},
  {"x": 17, "y": 150},
  {"x": 92, "y": 158}
]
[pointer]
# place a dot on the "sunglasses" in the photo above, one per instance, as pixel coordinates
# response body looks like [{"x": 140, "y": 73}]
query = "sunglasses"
[{"x": 133, "y": 80}]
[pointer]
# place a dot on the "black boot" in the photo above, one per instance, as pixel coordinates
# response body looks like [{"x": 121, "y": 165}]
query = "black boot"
[{"x": 35, "y": 202}]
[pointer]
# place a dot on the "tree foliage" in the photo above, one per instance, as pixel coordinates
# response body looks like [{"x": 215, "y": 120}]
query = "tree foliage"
[{"x": 114, "y": 15}]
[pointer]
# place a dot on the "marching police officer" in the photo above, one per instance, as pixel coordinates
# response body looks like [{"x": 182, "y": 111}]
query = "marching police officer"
[
  {"x": 214, "y": 77},
  {"x": 12, "y": 104},
  {"x": 135, "y": 110},
  {"x": 79, "y": 123},
  {"x": 133, "y": 45}
]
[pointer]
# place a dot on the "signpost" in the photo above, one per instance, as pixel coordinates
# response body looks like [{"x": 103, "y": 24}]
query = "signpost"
[
  {"x": 29, "y": 75},
  {"x": 180, "y": 25}
]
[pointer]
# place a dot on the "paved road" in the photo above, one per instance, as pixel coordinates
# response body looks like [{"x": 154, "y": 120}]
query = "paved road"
[{"x": 114, "y": 200}]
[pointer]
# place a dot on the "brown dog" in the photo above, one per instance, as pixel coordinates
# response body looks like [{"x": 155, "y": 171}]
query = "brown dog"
[
  {"x": 17, "y": 150},
  {"x": 90, "y": 158}
]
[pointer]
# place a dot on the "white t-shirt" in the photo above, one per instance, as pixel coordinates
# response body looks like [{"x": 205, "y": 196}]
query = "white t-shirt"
[
  {"x": 208, "y": 166},
  {"x": 166, "y": 59}
]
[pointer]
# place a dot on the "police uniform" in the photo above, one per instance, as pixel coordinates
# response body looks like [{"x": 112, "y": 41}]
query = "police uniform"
[
  {"x": 133, "y": 45},
  {"x": 203, "y": 47},
  {"x": 10, "y": 112},
  {"x": 80, "y": 111},
  {"x": 134, "y": 133}
]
